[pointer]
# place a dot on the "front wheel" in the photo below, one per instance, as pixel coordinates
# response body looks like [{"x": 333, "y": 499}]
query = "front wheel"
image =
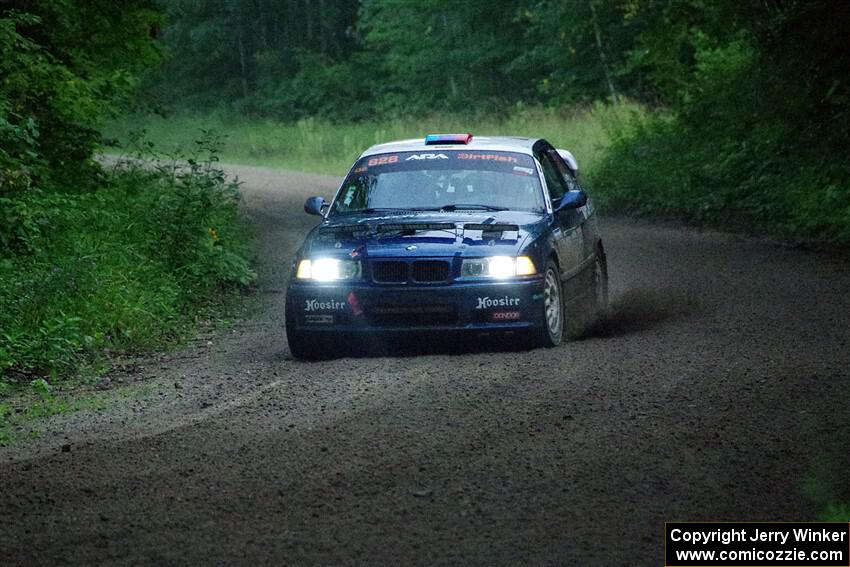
[
  {"x": 551, "y": 333},
  {"x": 302, "y": 345}
]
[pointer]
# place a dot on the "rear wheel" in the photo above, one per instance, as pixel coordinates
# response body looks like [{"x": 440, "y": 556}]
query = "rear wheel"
[{"x": 551, "y": 333}]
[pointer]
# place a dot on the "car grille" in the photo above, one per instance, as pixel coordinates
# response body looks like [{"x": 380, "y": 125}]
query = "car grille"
[
  {"x": 419, "y": 271},
  {"x": 430, "y": 271},
  {"x": 389, "y": 272}
]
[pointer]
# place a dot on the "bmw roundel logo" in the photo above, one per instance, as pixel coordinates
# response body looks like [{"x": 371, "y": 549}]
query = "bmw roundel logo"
[{"x": 411, "y": 248}]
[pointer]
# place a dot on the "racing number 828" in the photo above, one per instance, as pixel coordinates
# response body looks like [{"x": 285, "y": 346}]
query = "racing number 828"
[{"x": 383, "y": 160}]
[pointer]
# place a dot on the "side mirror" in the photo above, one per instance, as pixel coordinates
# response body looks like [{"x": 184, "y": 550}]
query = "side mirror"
[
  {"x": 571, "y": 200},
  {"x": 314, "y": 205},
  {"x": 570, "y": 160}
]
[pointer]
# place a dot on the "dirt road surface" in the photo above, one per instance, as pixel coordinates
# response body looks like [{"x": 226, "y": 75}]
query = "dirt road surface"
[{"x": 718, "y": 389}]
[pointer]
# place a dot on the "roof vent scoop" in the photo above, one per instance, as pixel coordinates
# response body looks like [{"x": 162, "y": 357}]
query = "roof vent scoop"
[{"x": 441, "y": 139}]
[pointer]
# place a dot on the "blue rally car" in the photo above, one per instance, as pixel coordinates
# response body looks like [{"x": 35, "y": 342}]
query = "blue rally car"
[{"x": 450, "y": 233}]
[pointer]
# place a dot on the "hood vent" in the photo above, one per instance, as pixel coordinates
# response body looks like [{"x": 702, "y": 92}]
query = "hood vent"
[
  {"x": 342, "y": 233},
  {"x": 414, "y": 227},
  {"x": 492, "y": 231}
]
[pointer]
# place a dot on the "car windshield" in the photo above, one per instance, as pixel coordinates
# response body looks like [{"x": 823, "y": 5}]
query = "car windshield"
[{"x": 441, "y": 180}]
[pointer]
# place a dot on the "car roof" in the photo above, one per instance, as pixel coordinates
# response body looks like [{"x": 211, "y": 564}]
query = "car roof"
[{"x": 479, "y": 143}]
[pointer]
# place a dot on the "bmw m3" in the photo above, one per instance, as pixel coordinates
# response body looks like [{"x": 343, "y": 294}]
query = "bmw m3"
[{"x": 450, "y": 233}]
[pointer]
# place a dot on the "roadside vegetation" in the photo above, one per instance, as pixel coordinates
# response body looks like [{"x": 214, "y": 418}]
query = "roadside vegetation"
[
  {"x": 96, "y": 261},
  {"x": 756, "y": 129},
  {"x": 322, "y": 146},
  {"x": 122, "y": 267}
]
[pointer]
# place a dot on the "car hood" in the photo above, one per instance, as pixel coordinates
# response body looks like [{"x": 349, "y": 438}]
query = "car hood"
[{"x": 472, "y": 234}]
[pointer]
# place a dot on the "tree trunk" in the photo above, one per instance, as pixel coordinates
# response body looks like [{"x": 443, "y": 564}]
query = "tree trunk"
[
  {"x": 452, "y": 81},
  {"x": 243, "y": 64},
  {"x": 602, "y": 58},
  {"x": 308, "y": 13},
  {"x": 323, "y": 38}
]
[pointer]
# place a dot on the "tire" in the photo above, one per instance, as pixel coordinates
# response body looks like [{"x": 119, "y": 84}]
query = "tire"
[
  {"x": 303, "y": 346},
  {"x": 551, "y": 333}
]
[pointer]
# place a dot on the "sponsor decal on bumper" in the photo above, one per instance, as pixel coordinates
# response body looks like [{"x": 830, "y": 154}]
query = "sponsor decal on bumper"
[
  {"x": 323, "y": 305},
  {"x": 360, "y": 308},
  {"x": 506, "y": 316},
  {"x": 490, "y": 303},
  {"x": 319, "y": 319}
]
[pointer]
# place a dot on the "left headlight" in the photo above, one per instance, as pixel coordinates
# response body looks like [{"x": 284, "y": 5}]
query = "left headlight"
[
  {"x": 327, "y": 269},
  {"x": 497, "y": 267}
]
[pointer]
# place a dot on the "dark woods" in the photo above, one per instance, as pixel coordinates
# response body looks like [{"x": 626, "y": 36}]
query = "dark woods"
[
  {"x": 350, "y": 59},
  {"x": 751, "y": 99}
]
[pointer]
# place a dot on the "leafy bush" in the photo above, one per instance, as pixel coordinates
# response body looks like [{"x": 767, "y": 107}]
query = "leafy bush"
[
  {"x": 124, "y": 268},
  {"x": 739, "y": 148},
  {"x": 90, "y": 259},
  {"x": 661, "y": 167}
]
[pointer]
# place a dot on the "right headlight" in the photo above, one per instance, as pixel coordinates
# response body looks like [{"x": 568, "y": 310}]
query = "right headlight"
[{"x": 497, "y": 267}]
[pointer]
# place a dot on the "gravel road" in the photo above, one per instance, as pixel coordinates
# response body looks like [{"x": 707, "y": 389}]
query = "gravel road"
[{"x": 717, "y": 389}]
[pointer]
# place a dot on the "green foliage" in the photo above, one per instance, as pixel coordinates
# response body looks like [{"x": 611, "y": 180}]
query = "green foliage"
[
  {"x": 835, "y": 512},
  {"x": 192, "y": 218},
  {"x": 359, "y": 61},
  {"x": 757, "y": 132},
  {"x": 93, "y": 260},
  {"x": 65, "y": 66},
  {"x": 319, "y": 88},
  {"x": 566, "y": 60},
  {"x": 19, "y": 417},
  {"x": 123, "y": 268},
  {"x": 444, "y": 55},
  {"x": 271, "y": 56}
]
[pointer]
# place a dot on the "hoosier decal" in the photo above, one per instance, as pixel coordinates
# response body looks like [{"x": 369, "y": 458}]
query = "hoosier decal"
[
  {"x": 323, "y": 305},
  {"x": 489, "y": 303}
]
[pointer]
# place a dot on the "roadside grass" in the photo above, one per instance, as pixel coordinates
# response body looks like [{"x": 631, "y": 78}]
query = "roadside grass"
[
  {"x": 22, "y": 415},
  {"x": 835, "y": 512},
  {"x": 134, "y": 266},
  {"x": 824, "y": 481},
  {"x": 323, "y": 147},
  {"x": 19, "y": 417}
]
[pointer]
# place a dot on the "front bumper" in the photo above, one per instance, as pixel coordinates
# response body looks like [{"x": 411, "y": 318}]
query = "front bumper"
[{"x": 343, "y": 307}]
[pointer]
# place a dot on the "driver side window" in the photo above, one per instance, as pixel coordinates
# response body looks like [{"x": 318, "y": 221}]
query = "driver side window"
[{"x": 554, "y": 180}]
